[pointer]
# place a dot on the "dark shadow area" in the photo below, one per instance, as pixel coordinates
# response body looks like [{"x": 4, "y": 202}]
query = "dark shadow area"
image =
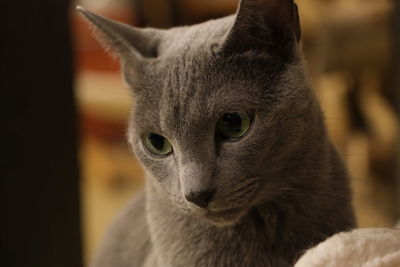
[{"x": 40, "y": 207}]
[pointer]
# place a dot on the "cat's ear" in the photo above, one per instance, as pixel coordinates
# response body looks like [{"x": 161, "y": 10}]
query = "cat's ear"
[
  {"x": 272, "y": 26},
  {"x": 126, "y": 42}
]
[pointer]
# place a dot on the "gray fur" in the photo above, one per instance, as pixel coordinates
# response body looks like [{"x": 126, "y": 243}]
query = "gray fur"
[{"x": 279, "y": 190}]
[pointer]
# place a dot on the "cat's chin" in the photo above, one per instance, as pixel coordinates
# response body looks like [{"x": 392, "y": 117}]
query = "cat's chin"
[
  {"x": 224, "y": 218},
  {"x": 219, "y": 218}
]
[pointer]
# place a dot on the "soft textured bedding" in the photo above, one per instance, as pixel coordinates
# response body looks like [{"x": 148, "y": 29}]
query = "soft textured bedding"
[{"x": 369, "y": 247}]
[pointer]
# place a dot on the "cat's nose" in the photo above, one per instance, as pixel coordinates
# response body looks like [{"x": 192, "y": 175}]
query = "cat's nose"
[{"x": 201, "y": 198}]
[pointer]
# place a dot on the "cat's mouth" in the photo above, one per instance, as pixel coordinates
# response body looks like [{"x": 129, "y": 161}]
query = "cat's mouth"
[
  {"x": 230, "y": 216},
  {"x": 219, "y": 215}
]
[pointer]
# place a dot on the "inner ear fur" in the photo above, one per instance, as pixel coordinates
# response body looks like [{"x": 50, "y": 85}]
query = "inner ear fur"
[{"x": 122, "y": 40}]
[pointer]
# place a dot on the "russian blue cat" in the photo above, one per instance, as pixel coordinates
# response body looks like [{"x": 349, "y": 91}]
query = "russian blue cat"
[{"x": 240, "y": 170}]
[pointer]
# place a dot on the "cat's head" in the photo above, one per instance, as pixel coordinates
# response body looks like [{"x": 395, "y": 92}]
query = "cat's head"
[{"x": 217, "y": 106}]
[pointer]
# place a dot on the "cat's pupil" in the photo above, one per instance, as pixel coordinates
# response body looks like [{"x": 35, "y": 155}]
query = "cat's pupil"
[
  {"x": 157, "y": 144},
  {"x": 233, "y": 122},
  {"x": 233, "y": 125},
  {"x": 157, "y": 141}
]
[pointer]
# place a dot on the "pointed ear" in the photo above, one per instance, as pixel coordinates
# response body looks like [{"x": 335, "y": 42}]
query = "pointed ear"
[
  {"x": 270, "y": 26},
  {"x": 122, "y": 40}
]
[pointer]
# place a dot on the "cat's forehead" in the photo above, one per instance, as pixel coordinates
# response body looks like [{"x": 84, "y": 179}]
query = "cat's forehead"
[
  {"x": 189, "y": 92},
  {"x": 195, "y": 39},
  {"x": 188, "y": 85},
  {"x": 181, "y": 79},
  {"x": 183, "y": 90}
]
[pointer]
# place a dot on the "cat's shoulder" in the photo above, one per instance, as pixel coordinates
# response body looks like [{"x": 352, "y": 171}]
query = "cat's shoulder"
[{"x": 127, "y": 242}]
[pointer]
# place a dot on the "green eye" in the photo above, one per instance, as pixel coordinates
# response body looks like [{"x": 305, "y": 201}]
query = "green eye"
[
  {"x": 234, "y": 125},
  {"x": 157, "y": 144}
]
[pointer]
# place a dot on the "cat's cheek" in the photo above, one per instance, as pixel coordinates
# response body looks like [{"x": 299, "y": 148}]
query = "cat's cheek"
[
  {"x": 161, "y": 172},
  {"x": 151, "y": 164}
]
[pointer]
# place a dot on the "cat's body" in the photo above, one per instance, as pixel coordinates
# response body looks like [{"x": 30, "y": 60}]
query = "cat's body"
[{"x": 259, "y": 199}]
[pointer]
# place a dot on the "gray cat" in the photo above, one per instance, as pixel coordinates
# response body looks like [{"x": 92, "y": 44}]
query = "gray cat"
[{"x": 240, "y": 170}]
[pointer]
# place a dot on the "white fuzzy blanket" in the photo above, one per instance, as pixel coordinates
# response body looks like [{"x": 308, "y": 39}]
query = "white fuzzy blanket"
[{"x": 369, "y": 247}]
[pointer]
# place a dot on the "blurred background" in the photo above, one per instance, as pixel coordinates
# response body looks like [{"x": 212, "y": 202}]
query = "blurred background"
[{"x": 68, "y": 168}]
